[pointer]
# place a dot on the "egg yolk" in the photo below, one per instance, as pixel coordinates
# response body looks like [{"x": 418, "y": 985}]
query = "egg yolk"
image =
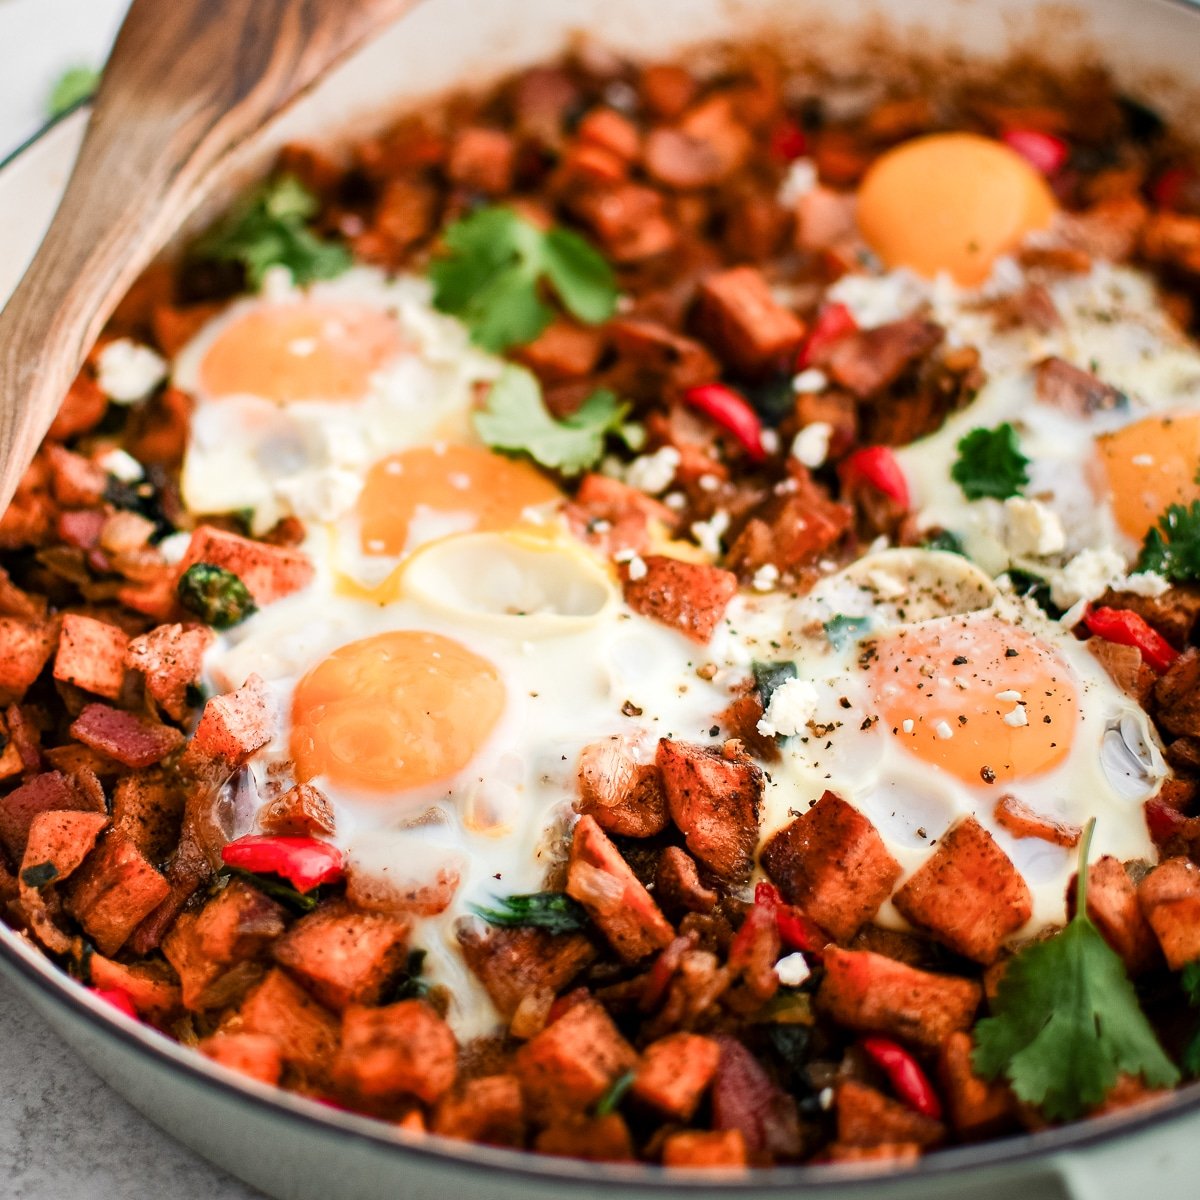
[
  {"x": 468, "y": 488},
  {"x": 981, "y": 699},
  {"x": 1149, "y": 465},
  {"x": 951, "y": 202},
  {"x": 300, "y": 351},
  {"x": 396, "y": 711}
]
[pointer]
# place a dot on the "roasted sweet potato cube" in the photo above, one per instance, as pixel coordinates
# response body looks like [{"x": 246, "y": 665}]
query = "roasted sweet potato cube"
[
  {"x": 147, "y": 807},
  {"x": 704, "y": 1148},
  {"x": 170, "y": 658},
  {"x": 26, "y": 644},
  {"x": 344, "y": 957},
  {"x": 482, "y": 160},
  {"x": 674, "y": 1073},
  {"x": 870, "y": 360},
  {"x": 490, "y": 1109},
  {"x": 232, "y": 728},
  {"x": 59, "y": 842},
  {"x": 603, "y": 882},
  {"x": 302, "y": 811},
  {"x": 871, "y": 994},
  {"x": 832, "y": 862},
  {"x": 113, "y": 891},
  {"x": 49, "y": 791},
  {"x": 678, "y": 886},
  {"x": 404, "y": 1049},
  {"x": 690, "y": 597},
  {"x": 967, "y": 894},
  {"x": 708, "y": 145},
  {"x": 91, "y": 655},
  {"x": 151, "y": 986},
  {"x": 866, "y": 1117},
  {"x": 751, "y": 330},
  {"x": 1170, "y": 900},
  {"x": 253, "y": 1054},
  {"x": 129, "y": 738},
  {"x": 307, "y": 1032},
  {"x": 714, "y": 800},
  {"x": 975, "y": 1107},
  {"x": 567, "y": 1067},
  {"x": 77, "y": 482},
  {"x": 563, "y": 350},
  {"x": 598, "y": 1139},
  {"x": 625, "y": 797},
  {"x": 269, "y": 572},
  {"x": 1112, "y": 904}
]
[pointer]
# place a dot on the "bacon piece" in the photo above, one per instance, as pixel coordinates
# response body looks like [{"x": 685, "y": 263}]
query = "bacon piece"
[
  {"x": 269, "y": 572},
  {"x": 745, "y": 1099},
  {"x": 133, "y": 740},
  {"x": 1079, "y": 393},
  {"x": 665, "y": 358},
  {"x": 50, "y": 791},
  {"x": 751, "y": 331},
  {"x": 691, "y": 597},
  {"x": 91, "y": 655},
  {"x": 704, "y": 149},
  {"x": 678, "y": 886},
  {"x": 870, "y": 360},
  {"x": 1126, "y": 668}
]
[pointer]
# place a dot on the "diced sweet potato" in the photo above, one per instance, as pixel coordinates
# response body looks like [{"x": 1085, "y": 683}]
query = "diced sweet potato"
[
  {"x": 151, "y": 986},
  {"x": 131, "y": 739},
  {"x": 490, "y": 1109},
  {"x": 832, "y": 862},
  {"x": 59, "y": 842},
  {"x": 690, "y": 597},
  {"x": 1112, "y": 904},
  {"x": 1022, "y": 821},
  {"x": 253, "y": 1054},
  {"x": 627, "y": 219},
  {"x": 307, "y": 1032},
  {"x": 170, "y": 658},
  {"x": 872, "y": 994},
  {"x": 81, "y": 409},
  {"x": 232, "y": 728},
  {"x": 49, "y": 791},
  {"x": 482, "y": 160},
  {"x": 25, "y": 646},
  {"x": 91, "y": 655},
  {"x": 302, "y": 811},
  {"x": 714, "y": 800},
  {"x": 567, "y": 1067},
  {"x": 612, "y": 516},
  {"x": 269, "y": 572},
  {"x": 790, "y": 532},
  {"x": 967, "y": 894},
  {"x": 740, "y": 317},
  {"x": 674, "y": 1073},
  {"x": 866, "y": 1117},
  {"x": 598, "y": 1139},
  {"x": 705, "y": 1148},
  {"x": 113, "y": 891},
  {"x": 1170, "y": 900},
  {"x": 147, "y": 808},
  {"x": 974, "y": 1107},
  {"x": 625, "y": 797},
  {"x": 602, "y": 881},
  {"x": 563, "y": 350},
  {"x": 707, "y": 146},
  {"x": 344, "y": 957},
  {"x": 404, "y": 1049},
  {"x": 677, "y": 884}
]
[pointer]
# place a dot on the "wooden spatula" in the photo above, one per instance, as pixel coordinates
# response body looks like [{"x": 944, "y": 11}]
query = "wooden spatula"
[{"x": 187, "y": 81}]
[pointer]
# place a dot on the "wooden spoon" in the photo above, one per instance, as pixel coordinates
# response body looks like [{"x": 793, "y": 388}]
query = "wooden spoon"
[{"x": 186, "y": 83}]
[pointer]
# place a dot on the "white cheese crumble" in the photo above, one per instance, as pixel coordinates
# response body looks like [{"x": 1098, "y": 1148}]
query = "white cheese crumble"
[
  {"x": 128, "y": 371},
  {"x": 1032, "y": 528},
  {"x": 765, "y": 578},
  {"x": 908, "y": 725},
  {"x": 1016, "y": 719},
  {"x": 120, "y": 464},
  {"x": 1143, "y": 583},
  {"x": 1086, "y": 576},
  {"x": 810, "y": 446},
  {"x": 811, "y": 380},
  {"x": 1011, "y": 696},
  {"x": 792, "y": 970},
  {"x": 800, "y": 179},
  {"x": 174, "y": 547},
  {"x": 637, "y": 568},
  {"x": 708, "y": 533},
  {"x": 653, "y": 473},
  {"x": 943, "y": 730},
  {"x": 793, "y": 705},
  {"x": 769, "y": 440}
]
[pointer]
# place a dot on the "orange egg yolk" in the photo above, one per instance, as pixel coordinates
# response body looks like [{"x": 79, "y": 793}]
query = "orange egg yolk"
[
  {"x": 487, "y": 491},
  {"x": 950, "y": 692},
  {"x": 1149, "y": 465},
  {"x": 951, "y": 202},
  {"x": 396, "y": 711},
  {"x": 309, "y": 350}
]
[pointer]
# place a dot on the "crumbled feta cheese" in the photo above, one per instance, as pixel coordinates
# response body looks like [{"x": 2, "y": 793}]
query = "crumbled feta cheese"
[
  {"x": 943, "y": 730},
  {"x": 653, "y": 473},
  {"x": 1087, "y": 575},
  {"x": 886, "y": 585},
  {"x": 624, "y": 556},
  {"x": 637, "y": 568},
  {"x": 800, "y": 179},
  {"x": 128, "y": 371},
  {"x": 709, "y": 483},
  {"x": 1143, "y": 583},
  {"x": 1032, "y": 528},
  {"x": 708, "y": 533},
  {"x": 825, "y": 1098},
  {"x": 675, "y": 500},
  {"x": 765, "y": 578},
  {"x": 810, "y": 446},
  {"x": 908, "y": 725},
  {"x": 769, "y": 440},
  {"x": 121, "y": 465},
  {"x": 174, "y": 547},
  {"x": 792, "y": 970},
  {"x": 277, "y": 283},
  {"x": 811, "y": 380},
  {"x": 1010, "y": 696},
  {"x": 793, "y": 705},
  {"x": 1017, "y": 718}
]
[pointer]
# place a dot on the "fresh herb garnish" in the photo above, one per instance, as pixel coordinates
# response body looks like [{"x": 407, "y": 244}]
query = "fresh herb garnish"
[
  {"x": 841, "y": 630},
  {"x": 270, "y": 229},
  {"x": 1189, "y": 979},
  {"x": 615, "y": 1093},
  {"x": 277, "y": 889},
  {"x": 990, "y": 463},
  {"x": 39, "y": 875},
  {"x": 770, "y": 675},
  {"x": 1026, "y": 583},
  {"x": 72, "y": 87},
  {"x": 494, "y": 270},
  {"x": 410, "y": 984},
  {"x": 1172, "y": 548},
  {"x": 215, "y": 595},
  {"x": 1066, "y": 1020},
  {"x": 555, "y": 912},
  {"x": 515, "y": 419}
]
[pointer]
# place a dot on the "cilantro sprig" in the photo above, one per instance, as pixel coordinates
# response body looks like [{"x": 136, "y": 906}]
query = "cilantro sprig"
[
  {"x": 990, "y": 463},
  {"x": 552, "y": 911},
  {"x": 516, "y": 420},
  {"x": 1066, "y": 1020},
  {"x": 1172, "y": 547},
  {"x": 768, "y": 676},
  {"x": 497, "y": 268},
  {"x": 270, "y": 229}
]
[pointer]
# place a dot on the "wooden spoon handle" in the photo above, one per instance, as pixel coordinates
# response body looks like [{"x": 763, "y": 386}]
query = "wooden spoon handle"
[{"x": 187, "y": 82}]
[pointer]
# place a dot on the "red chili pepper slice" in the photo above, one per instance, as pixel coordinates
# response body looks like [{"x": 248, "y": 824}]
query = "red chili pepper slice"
[
  {"x": 304, "y": 862},
  {"x": 732, "y": 413},
  {"x": 905, "y": 1074},
  {"x": 1163, "y": 820},
  {"x": 1041, "y": 150},
  {"x": 795, "y": 929},
  {"x": 834, "y": 322},
  {"x": 1126, "y": 628},
  {"x": 878, "y": 467},
  {"x": 788, "y": 141},
  {"x": 118, "y": 999}
]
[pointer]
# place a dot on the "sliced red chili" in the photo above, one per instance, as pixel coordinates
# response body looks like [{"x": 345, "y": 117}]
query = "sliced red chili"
[
  {"x": 877, "y": 467},
  {"x": 118, "y": 999},
  {"x": 1126, "y": 628},
  {"x": 304, "y": 862},
  {"x": 795, "y": 929},
  {"x": 732, "y": 412},
  {"x": 788, "y": 141},
  {"x": 834, "y": 322},
  {"x": 1041, "y": 150},
  {"x": 905, "y": 1074}
]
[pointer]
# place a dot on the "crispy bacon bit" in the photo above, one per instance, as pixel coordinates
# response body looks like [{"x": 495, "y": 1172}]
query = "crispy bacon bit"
[
  {"x": 126, "y": 737},
  {"x": 870, "y": 360},
  {"x": 745, "y": 1099}
]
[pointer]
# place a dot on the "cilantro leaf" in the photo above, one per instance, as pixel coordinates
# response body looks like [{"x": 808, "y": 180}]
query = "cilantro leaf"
[
  {"x": 842, "y": 629},
  {"x": 990, "y": 464},
  {"x": 1172, "y": 547},
  {"x": 553, "y": 911},
  {"x": 493, "y": 271},
  {"x": 516, "y": 420},
  {"x": 1066, "y": 1020},
  {"x": 215, "y": 595},
  {"x": 72, "y": 87},
  {"x": 270, "y": 228}
]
